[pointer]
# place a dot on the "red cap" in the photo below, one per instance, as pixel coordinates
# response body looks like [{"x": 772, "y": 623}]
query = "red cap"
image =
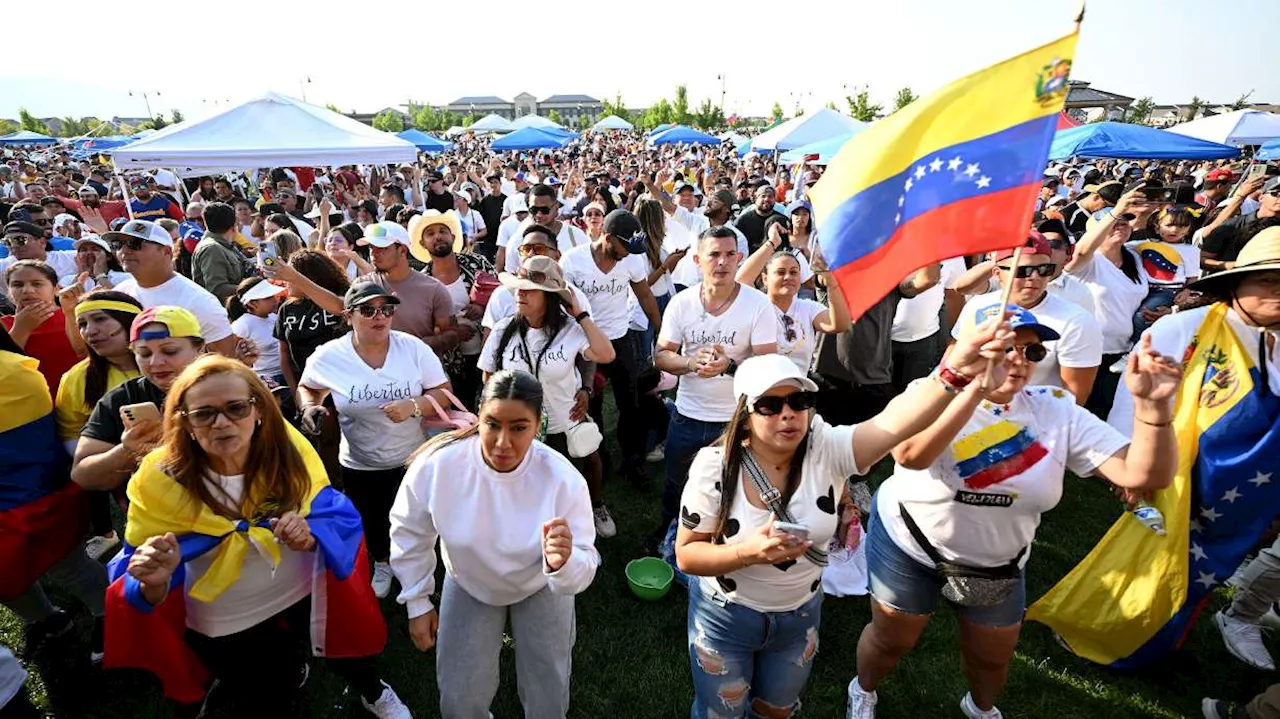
[
  {"x": 1036, "y": 244},
  {"x": 1221, "y": 174}
]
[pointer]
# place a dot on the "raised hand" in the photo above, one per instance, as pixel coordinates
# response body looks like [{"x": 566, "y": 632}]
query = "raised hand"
[{"x": 1150, "y": 375}]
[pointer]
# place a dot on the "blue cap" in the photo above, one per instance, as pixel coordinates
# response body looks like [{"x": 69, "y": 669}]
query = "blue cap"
[
  {"x": 190, "y": 230},
  {"x": 1018, "y": 319}
]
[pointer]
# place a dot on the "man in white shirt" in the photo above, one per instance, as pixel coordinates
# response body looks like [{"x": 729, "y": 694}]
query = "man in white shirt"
[
  {"x": 26, "y": 241},
  {"x": 917, "y": 334},
  {"x": 682, "y": 207},
  {"x": 544, "y": 209},
  {"x": 707, "y": 331},
  {"x": 1064, "y": 285},
  {"x": 146, "y": 252},
  {"x": 608, "y": 271}
]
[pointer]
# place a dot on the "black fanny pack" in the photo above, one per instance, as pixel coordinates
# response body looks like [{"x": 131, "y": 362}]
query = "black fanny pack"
[{"x": 964, "y": 585}]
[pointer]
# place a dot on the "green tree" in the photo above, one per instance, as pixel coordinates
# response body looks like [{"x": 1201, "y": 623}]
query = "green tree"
[
  {"x": 775, "y": 113},
  {"x": 156, "y": 123},
  {"x": 467, "y": 121},
  {"x": 904, "y": 97},
  {"x": 681, "y": 105},
  {"x": 831, "y": 105},
  {"x": 427, "y": 119},
  {"x": 709, "y": 116},
  {"x": 450, "y": 119},
  {"x": 660, "y": 113},
  {"x": 71, "y": 127},
  {"x": 7, "y": 127},
  {"x": 332, "y": 107},
  {"x": 1194, "y": 107},
  {"x": 389, "y": 122},
  {"x": 176, "y": 116},
  {"x": 31, "y": 123},
  {"x": 1242, "y": 102},
  {"x": 616, "y": 108},
  {"x": 1140, "y": 111},
  {"x": 555, "y": 117},
  {"x": 861, "y": 108}
]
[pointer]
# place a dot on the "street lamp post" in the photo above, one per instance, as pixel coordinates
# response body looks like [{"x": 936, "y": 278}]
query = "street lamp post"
[
  {"x": 721, "y": 78},
  {"x": 150, "y": 115}
]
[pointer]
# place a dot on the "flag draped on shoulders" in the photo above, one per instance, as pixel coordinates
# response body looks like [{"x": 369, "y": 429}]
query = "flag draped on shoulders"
[
  {"x": 43, "y": 516},
  {"x": 346, "y": 620},
  {"x": 1137, "y": 594},
  {"x": 954, "y": 173}
]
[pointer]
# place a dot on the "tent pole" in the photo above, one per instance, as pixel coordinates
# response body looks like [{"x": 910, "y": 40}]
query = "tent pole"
[{"x": 124, "y": 188}]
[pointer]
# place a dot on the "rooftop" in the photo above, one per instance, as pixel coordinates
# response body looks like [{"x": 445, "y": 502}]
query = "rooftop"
[
  {"x": 479, "y": 100},
  {"x": 1081, "y": 94},
  {"x": 570, "y": 98}
]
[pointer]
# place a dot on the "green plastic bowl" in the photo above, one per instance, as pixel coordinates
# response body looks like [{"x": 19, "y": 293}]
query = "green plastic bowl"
[{"x": 649, "y": 578}]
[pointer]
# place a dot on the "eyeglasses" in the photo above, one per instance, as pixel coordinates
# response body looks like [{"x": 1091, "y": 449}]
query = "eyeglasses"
[
  {"x": 234, "y": 410},
  {"x": 539, "y": 210},
  {"x": 533, "y": 248},
  {"x": 371, "y": 311},
  {"x": 1033, "y": 352},
  {"x": 770, "y": 405},
  {"x": 128, "y": 243},
  {"x": 789, "y": 325},
  {"x": 1026, "y": 271},
  {"x": 1060, "y": 244},
  {"x": 20, "y": 240},
  {"x": 593, "y": 213}
]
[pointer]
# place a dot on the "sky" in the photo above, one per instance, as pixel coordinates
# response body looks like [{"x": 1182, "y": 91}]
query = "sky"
[{"x": 804, "y": 52}]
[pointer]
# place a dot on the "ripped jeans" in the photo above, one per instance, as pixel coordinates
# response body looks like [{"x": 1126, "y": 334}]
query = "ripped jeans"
[{"x": 747, "y": 663}]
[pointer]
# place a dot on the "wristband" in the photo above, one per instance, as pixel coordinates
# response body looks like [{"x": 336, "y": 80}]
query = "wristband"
[
  {"x": 581, "y": 316},
  {"x": 955, "y": 379},
  {"x": 732, "y": 369},
  {"x": 1153, "y": 424},
  {"x": 945, "y": 387}
]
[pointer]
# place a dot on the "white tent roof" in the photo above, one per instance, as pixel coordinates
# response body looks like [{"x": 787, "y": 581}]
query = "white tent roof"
[
  {"x": 491, "y": 123},
  {"x": 611, "y": 122},
  {"x": 533, "y": 121},
  {"x": 733, "y": 138},
  {"x": 1239, "y": 127},
  {"x": 808, "y": 128},
  {"x": 269, "y": 131}
]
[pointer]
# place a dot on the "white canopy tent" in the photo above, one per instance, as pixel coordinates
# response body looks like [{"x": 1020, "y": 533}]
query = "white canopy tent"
[
  {"x": 611, "y": 122},
  {"x": 806, "y": 129},
  {"x": 270, "y": 131},
  {"x": 491, "y": 123},
  {"x": 533, "y": 121},
  {"x": 1239, "y": 127}
]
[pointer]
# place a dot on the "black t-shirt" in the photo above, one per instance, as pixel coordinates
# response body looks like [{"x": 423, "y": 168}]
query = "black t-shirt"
[
  {"x": 1077, "y": 218},
  {"x": 862, "y": 354},
  {"x": 303, "y": 326},
  {"x": 490, "y": 207},
  {"x": 1227, "y": 239},
  {"x": 105, "y": 424},
  {"x": 751, "y": 224},
  {"x": 442, "y": 202}
]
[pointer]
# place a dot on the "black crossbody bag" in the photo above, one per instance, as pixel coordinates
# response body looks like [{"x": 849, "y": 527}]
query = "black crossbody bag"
[{"x": 964, "y": 585}]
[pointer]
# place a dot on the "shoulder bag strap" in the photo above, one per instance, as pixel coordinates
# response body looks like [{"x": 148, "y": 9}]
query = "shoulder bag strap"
[
  {"x": 773, "y": 497},
  {"x": 919, "y": 536}
]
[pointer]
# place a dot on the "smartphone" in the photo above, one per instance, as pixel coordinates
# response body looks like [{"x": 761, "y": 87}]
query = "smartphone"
[
  {"x": 1256, "y": 170},
  {"x": 796, "y": 533},
  {"x": 268, "y": 255},
  {"x": 132, "y": 414},
  {"x": 1160, "y": 194}
]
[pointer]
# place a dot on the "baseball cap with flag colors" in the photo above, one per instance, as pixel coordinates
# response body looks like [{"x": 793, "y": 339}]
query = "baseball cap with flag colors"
[
  {"x": 384, "y": 234},
  {"x": 177, "y": 322}
]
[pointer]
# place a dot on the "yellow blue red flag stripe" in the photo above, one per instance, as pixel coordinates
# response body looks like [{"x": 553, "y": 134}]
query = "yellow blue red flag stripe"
[{"x": 953, "y": 173}]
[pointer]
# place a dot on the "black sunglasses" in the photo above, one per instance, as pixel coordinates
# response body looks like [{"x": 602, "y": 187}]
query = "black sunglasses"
[
  {"x": 535, "y": 209},
  {"x": 234, "y": 410},
  {"x": 1025, "y": 271},
  {"x": 770, "y": 405},
  {"x": 371, "y": 311},
  {"x": 1033, "y": 352},
  {"x": 788, "y": 324},
  {"x": 128, "y": 243},
  {"x": 21, "y": 240},
  {"x": 1060, "y": 244}
]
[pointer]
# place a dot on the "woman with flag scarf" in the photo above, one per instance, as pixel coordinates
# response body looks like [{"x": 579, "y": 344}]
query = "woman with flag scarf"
[
  {"x": 234, "y": 513},
  {"x": 960, "y": 512},
  {"x": 1136, "y": 595},
  {"x": 42, "y": 516}
]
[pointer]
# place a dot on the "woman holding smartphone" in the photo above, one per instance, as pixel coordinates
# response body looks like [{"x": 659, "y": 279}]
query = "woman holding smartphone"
[{"x": 755, "y": 592}]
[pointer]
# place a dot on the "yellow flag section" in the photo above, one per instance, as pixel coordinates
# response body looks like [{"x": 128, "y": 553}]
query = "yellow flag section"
[
  {"x": 158, "y": 504},
  {"x": 1134, "y": 596}
]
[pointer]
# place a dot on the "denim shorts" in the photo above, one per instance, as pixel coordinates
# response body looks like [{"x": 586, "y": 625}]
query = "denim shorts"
[{"x": 900, "y": 582}]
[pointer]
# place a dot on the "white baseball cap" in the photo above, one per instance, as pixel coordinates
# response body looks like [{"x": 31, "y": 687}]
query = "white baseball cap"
[
  {"x": 142, "y": 230},
  {"x": 92, "y": 239},
  {"x": 262, "y": 291},
  {"x": 759, "y": 374},
  {"x": 384, "y": 234}
]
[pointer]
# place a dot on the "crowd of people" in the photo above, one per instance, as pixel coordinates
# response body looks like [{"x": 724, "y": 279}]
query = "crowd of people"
[{"x": 291, "y": 382}]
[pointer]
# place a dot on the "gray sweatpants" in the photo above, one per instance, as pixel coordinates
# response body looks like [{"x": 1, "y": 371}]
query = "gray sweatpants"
[
  {"x": 77, "y": 573},
  {"x": 470, "y": 637},
  {"x": 1259, "y": 586}
]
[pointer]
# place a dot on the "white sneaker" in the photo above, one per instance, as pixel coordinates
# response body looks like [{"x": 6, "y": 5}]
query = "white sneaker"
[
  {"x": 99, "y": 547},
  {"x": 972, "y": 711},
  {"x": 381, "y": 579},
  {"x": 658, "y": 454},
  {"x": 388, "y": 705},
  {"x": 1244, "y": 641},
  {"x": 1120, "y": 364},
  {"x": 862, "y": 703},
  {"x": 604, "y": 522}
]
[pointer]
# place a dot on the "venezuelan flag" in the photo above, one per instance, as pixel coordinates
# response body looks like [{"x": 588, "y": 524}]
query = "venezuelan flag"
[
  {"x": 43, "y": 516},
  {"x": 1160, "y": 261},
  {"x": 953, "y": 173},
  {"x": 995, "y": 453},
  {"x": 1137, "y": 594}
]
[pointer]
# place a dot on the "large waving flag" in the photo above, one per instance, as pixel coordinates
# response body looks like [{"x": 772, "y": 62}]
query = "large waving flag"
[
  {"x": 43, "y": 516},
  {"x": 1137, "y": 594},
  {"x": 346, "y": 620},
  {"x": 953, "y": 173}
]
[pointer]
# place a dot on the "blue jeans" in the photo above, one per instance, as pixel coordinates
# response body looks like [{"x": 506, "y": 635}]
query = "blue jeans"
[
  {"x": 742, "y": 658},
  {"x": 1157, "y": 297},
  {"x": 685, "y": 436}
]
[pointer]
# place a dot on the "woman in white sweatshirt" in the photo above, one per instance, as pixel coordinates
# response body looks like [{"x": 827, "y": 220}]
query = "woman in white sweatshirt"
[{"x": 514, "y": 521}]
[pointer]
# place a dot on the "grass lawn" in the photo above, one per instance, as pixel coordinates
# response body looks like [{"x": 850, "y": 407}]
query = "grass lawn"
[{"x": 631, "y": 658}]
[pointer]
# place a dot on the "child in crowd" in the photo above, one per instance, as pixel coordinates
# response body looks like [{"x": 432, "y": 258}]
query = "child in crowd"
[{"x": 1169, "y": 263}]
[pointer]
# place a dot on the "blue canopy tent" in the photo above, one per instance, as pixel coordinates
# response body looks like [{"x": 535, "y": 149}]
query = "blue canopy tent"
[
  {"x": 660, "y": 129},
  {"x": 423, "y": 141},
  {"x": 681, "y": 135},
  {"x": 824, "y": 149},
  {"x": 1138, "y": 142},
  {"x": 1269, "y": 151},
  {"x": 530, "y": 138},
  {"x": 26, "y": 137},
  {"x": 745, "y": 146}
]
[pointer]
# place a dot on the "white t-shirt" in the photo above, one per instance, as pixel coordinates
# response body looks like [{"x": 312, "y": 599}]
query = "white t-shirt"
[
  {"x": 748, "y": 322},
  {"x": 568, "y": 238},
  {"x": 797, "y": 339},
  {"x": 261, "y": 592},
  {"x": 608, "y": 292},
  {"x": 1165, "y": 264},
  {"x": 1116, "y": 298},
  {"x": 369, "y": 439},
  {"x": 182, "y": 292},
  {"x": 472, "y": 223},
  {"x": 693, "y": 222},
  {"x": 637, "y": 319},
  {"x": 490, "y": 526},
  {"x": 557, "y": 370},
  {"x": 686, "y": 272},
  {"x": 980, "y": 502},
  {"x": 63, "y": 263},
  {"x": 1072, "y": 290},
  {"x": 918, "y": 317},
  {"x": 261, "y": 331},
  {"x": 1080, "y": 345},
  {"x": 1171, "y": 335},
  {"x": 828, "y": 460},
  {"x": 502, "y": 304}
]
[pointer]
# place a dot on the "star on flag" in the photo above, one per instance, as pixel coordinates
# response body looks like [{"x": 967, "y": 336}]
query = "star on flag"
[
  {"x": 953, "y": 165},
  {"x": 1260, "y": 479},
  {"x": 1207, "y": 579}
]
